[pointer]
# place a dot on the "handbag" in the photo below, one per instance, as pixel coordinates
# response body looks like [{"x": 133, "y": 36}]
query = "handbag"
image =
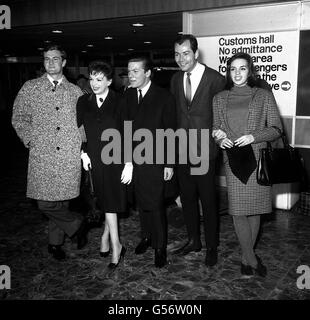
[
  {"x": 279, "y": 165},
  {"x": 93, "y": 214}
]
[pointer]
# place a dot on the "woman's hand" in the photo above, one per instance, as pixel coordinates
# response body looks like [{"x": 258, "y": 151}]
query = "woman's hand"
[
  {"x": 85, "y": 160},
  {"x": 244, "y": 140},
  {"x": 226, "y": 143},
  {"x": 168, "y": 173},
  {"x": 219, "y": 134},
  {"x": 126, "y": 176}
]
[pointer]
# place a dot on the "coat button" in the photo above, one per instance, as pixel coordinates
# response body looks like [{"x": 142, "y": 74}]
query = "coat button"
[
  {"x": 57, "y": 108},
  {"x": 57, "y": 148}
]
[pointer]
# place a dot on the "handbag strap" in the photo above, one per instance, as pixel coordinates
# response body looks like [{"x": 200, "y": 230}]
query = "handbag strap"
[
  {"x": 283, "y": 137},
  {"x": 92, "y": 190}
]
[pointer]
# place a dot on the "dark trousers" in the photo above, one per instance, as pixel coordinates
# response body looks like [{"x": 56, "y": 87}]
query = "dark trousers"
[
  {"x": 193, "y": 188},
  {"x": 61, "y": 220},
  {"x": 154, "y": 227}
]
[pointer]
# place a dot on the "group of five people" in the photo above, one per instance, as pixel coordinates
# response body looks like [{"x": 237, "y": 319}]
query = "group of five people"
[{"x": 51, "y": 116}]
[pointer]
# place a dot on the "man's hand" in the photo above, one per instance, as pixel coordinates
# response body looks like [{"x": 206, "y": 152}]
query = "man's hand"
[
  {"x": 85, "y": 160},
  {"x": 126, "y": 176},
  {"x": 168, "y": 173}
]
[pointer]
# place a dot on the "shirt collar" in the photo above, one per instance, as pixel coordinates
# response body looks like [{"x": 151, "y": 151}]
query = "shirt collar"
[
  {"x": 197, "y": 69},
  {"x": 51, "y": 80},
  {"x": 144, "y": 89},
  {"x": 103, "y": 96}
]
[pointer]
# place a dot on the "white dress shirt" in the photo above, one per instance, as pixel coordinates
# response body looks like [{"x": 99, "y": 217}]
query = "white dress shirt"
[{"x": 144, "y": 90}]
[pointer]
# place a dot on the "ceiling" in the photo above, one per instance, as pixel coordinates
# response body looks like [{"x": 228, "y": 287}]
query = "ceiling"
[{"x": 160, "y": 30}]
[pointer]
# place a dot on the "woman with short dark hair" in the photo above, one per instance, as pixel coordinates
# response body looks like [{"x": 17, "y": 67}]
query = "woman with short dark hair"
[{"x": 97, "y": 112}]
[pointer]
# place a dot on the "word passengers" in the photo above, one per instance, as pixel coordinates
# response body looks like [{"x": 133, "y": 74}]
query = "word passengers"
[{"x": 158, "y": 149}]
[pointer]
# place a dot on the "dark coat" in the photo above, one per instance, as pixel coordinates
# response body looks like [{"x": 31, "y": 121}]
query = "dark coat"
[
  {"x": 157, "y": 111},
  {"x": 108, "y": 188},
  {"x": 45, "y": 120},
  {"x": 199, "y": 115},
  {"x": 250, "y": 198}
]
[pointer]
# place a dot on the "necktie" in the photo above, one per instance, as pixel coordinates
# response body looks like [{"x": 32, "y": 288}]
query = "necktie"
[
  {"x": 140, "y": 96},
  {"x": 188, "y": 90},
  {"x": 55, "y": 83}
]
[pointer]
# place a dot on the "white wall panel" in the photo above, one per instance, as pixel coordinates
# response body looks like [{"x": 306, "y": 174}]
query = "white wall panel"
[
  {"x": 305, "y": 18},
  {"x": 246, "y": 20}
]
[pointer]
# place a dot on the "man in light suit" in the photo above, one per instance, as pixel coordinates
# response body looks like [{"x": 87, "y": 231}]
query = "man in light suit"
[
  {"x": 149, "y": 107},
  {"x": 194, "y": 88}
]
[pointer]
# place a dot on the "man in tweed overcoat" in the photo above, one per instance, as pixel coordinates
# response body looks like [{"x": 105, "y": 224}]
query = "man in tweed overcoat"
[{"x": 44, "y": 117}]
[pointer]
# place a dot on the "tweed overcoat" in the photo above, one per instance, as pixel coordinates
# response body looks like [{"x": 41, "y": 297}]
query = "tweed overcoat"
[
  {"x": 45, "y": 121},
  {"x": 250, "y": 198}
]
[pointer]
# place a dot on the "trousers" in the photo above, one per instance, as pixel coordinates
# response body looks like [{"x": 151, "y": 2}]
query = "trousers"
[
  {"x": 62, "y": 221},
  {"x": 192, "y": 189}
]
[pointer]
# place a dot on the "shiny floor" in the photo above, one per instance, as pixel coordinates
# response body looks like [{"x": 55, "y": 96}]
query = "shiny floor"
[{"x": 283, "y": 246}]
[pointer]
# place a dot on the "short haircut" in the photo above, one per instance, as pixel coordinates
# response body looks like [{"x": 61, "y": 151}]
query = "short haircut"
[
  {"x": 54, "y": 46},
  {"x": 100, "y": 66},
  {"x": 146, "y": 62},
  {"x": 184, "y": 37},
  {"x": 252, "y": 78}
]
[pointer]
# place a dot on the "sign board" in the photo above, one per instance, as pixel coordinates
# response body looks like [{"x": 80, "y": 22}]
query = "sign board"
[{"x": 275, "y": 55}]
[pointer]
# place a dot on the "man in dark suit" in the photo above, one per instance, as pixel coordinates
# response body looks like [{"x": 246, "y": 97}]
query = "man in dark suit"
[
  {"x": 194, "y": 88},
  {"x": 149, "y": 107}
]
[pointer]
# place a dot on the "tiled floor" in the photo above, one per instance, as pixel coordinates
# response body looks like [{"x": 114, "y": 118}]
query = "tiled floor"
[{"x": 283, "y": 246}]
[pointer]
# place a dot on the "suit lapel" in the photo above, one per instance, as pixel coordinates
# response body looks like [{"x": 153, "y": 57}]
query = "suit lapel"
[
  {"x": 202, "y": 85},
  {"x": 180, "y": 90},
  {"x": 133, "y": 106},
  {"x": 146, "y": 103}
]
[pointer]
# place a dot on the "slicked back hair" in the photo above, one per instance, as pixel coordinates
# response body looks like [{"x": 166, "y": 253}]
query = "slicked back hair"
[
  {"x": 192, "y": 40},
  {"x": 146, "y": 62},
  {"x": 54, "y": 46}
]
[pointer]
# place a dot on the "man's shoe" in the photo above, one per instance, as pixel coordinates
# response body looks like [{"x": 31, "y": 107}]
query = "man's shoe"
[
  {"x": 81, "y": 235},
  {"x": 246, "y": 270},
  {"x": 211, "y": 257},
  {"x": 187, "y": 248},
  {"x": 143, "y": 246},
  {"x": 57, "y": 252},
  {"x": 160, "y": 258}
]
